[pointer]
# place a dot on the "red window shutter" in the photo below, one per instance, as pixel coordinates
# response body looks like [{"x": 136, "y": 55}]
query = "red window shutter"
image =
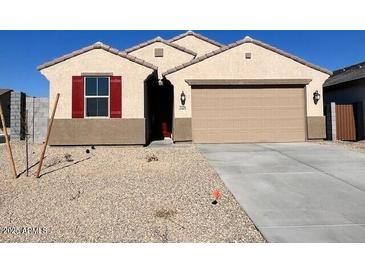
[
  {"x": 77, "y": 97},
  {"x": 115, "y": 97}
]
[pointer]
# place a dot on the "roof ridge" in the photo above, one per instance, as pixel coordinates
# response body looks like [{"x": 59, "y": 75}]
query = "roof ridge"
[
  {"x": 97, "y": 45},
  {"x": 198, "y": 35},
  {"x": 247, "y": 39},
  {"x": 161, "y": 40}
]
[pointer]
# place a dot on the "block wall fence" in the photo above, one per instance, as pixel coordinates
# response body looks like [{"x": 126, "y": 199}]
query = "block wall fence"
[{"x": 28, "y": 114}]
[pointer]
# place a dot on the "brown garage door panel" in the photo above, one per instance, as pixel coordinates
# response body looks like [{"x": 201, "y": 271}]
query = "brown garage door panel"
[{"x": 230, "y": 115}]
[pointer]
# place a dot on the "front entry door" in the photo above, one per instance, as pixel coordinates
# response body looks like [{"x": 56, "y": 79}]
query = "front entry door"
[{"x": 161, "y": 111}]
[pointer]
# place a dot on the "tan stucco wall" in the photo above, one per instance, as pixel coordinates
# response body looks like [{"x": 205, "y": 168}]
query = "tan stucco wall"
[
  {"x": 231, "y": 64},
  {"x": 172, "y": 57},
  {"x": 98, "y": 61},
  {"x": 182, "y": 129},
  {"x": 316, "y": 127},
  {"x": 195, "y": 44},
  {"x": 98, "y": 132}
]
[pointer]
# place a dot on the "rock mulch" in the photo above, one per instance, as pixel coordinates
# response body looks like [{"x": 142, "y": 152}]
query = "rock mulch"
[
  {"x": 118, "y": 194},
  {"x": 356, "y": 146}
]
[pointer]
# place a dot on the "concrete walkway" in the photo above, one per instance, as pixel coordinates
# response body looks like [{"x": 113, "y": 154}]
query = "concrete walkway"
[{"x": 297, "y": 192}]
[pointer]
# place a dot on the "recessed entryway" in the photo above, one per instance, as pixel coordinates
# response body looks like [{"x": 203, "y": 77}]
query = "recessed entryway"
[{"x": 159, "y": 97}]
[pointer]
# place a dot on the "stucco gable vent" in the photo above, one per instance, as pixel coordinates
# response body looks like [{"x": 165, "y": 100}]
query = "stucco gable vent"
[{"x": 158, "y": 52}]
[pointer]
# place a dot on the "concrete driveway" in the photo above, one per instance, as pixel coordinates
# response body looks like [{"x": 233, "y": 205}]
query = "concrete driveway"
[{"x": 296, "y": 192}]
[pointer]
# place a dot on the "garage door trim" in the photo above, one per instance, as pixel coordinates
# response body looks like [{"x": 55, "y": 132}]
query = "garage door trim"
[
  {"x": 243, "y": 82},
  {"x": 302, "y": 111}
]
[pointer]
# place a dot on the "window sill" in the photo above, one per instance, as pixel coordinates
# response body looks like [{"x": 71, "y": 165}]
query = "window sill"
[{"x": 96, "y": 117}]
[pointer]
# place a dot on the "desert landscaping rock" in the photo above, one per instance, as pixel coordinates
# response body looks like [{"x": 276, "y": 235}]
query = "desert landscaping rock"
[
  {"x": 358, "y": 146},
  {"x": 114, "y": 194}
]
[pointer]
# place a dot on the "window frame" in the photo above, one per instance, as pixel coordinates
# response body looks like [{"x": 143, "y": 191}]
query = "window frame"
[{"x": 96, "y": 96}]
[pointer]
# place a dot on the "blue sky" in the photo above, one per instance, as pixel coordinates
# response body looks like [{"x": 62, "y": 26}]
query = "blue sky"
[{"x": 22, "y": 51}]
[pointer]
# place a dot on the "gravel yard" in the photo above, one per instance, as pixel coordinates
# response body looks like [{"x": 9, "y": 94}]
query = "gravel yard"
[
  {"x": 118, "y": 194},
  {"x": 356, "y": 146}
]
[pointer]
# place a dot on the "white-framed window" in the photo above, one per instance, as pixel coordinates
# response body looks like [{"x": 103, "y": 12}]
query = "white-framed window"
[{"x": 97, "y": 101}]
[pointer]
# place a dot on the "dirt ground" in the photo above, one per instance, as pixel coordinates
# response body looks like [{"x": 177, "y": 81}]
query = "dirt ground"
[{"x": 118, "y": 194}]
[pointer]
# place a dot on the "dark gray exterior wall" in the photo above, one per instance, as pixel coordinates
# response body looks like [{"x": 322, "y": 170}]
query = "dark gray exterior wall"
[
  {"x": 347, "y": 93},
  {"x": 5, "y": 103}
]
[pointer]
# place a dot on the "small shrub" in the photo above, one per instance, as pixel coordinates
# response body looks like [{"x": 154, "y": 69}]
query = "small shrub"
[
  {"x": 165, "y": 213},
  {"x": 68, "y": 157},
  {"x": 76, "y": 196},
  {"x": 152, "y": 158}
]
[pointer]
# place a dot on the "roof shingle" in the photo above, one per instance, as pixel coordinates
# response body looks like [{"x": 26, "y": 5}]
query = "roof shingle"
[{"x": 347, "y": 74}]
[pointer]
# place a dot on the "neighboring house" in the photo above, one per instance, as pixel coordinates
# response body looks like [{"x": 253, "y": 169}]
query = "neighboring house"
[
  {"x": 16, "y": 105},
  {"x": 189, "y": 88},
  {"x": 347, "y": 86},
  {"x": 5, "y": 103}
]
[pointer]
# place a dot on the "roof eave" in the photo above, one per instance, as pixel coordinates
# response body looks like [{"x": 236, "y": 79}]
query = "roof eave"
[
  {"x": 5, "y": 90},
  {"x": 327, "y": 85},
  {"x": 291, "y": 56},
  {"x": 248, "y": 39},
  {"x": 97, "y": 45}
]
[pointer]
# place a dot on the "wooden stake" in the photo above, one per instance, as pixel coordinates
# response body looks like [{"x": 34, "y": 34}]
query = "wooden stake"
[
  {"x": 47, "y": 138},
  {"x": 7, "y": 141}
]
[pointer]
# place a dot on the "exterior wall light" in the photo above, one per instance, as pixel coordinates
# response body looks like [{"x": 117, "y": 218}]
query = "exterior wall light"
[
  {"x": 316, "y": 97},
  {"x": 183, "y": 98}
]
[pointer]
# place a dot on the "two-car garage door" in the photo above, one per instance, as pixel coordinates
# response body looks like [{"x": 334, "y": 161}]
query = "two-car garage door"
[{"x": 231, "y": 114}]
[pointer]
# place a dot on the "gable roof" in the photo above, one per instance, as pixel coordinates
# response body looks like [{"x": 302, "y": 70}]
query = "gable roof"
[
  {"x": 4, "y": 90},
  {"x": 347, "y": 74},
  {"x": 160, "y": 40},
  {"x": 97, "y": 45},
  {"x": 247, "y": 39},
  {"x": 197, "y": 35}
]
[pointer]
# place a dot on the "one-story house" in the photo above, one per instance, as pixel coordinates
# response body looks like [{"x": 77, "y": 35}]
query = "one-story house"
[
  {"x": 347, "y": 86},
  {"x": 188, "y": 88}
]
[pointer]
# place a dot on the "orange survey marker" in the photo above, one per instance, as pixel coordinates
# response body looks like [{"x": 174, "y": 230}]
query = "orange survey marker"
[{"x": 216, "y": 195}]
